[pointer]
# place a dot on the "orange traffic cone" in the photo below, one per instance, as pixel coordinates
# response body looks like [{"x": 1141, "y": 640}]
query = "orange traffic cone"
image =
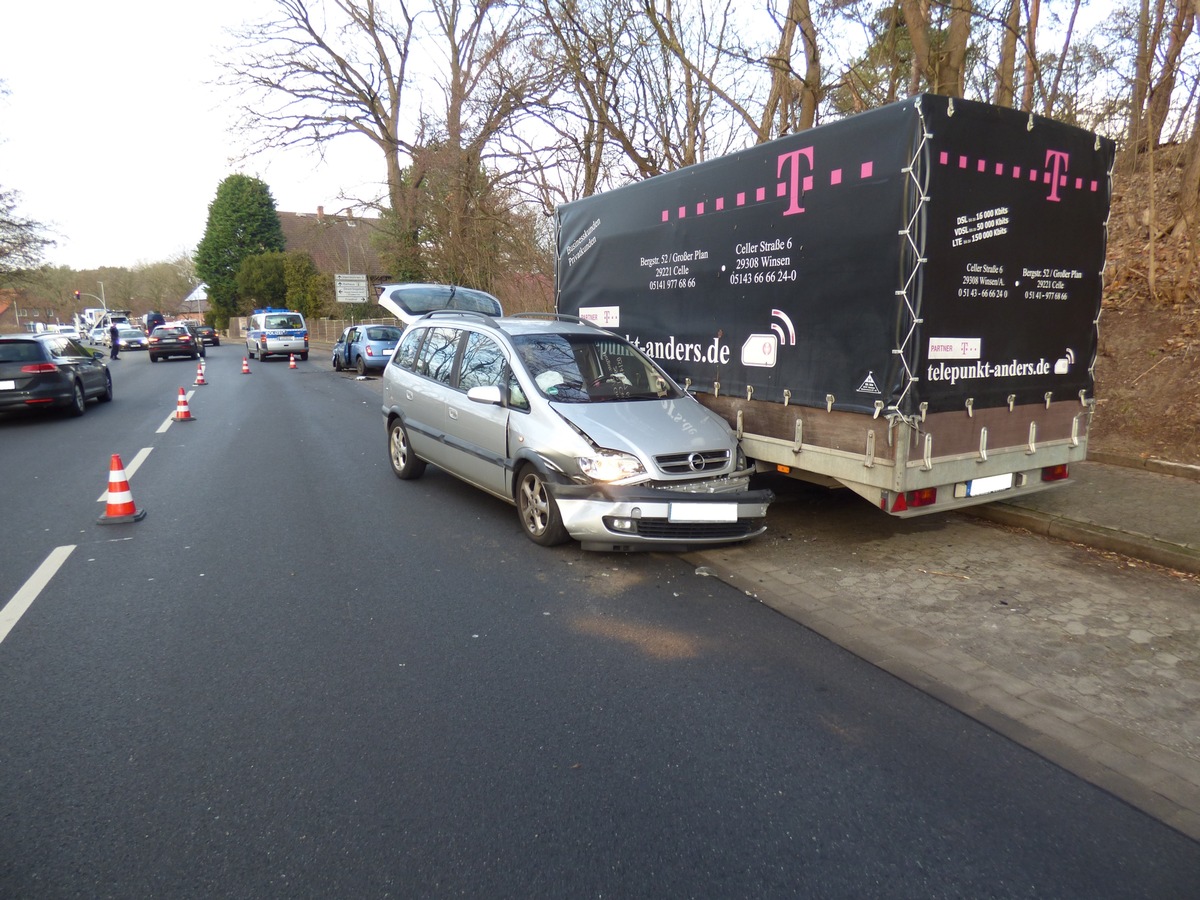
[
  {"x": 291, "y": 360},
  {"x": 199, "y": 374},
  {"x": 245, "y": 366},
  {"x": 182, "y": 412},
  {"x": 119, "y": 506}
]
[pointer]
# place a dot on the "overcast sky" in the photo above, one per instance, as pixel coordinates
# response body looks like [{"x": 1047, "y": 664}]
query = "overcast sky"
[{"x": 115, "y": 139}]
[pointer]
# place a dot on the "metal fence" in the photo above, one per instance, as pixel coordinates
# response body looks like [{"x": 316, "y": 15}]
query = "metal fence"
[{"x": 321, "y": 330}]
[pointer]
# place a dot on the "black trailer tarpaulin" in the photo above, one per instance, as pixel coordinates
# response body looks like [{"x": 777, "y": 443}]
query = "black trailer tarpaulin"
[{"x": 928, "y": 251}]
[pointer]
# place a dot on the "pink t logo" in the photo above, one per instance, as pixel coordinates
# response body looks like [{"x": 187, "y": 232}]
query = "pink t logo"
[
  {"x": 791, "y": 162},
  {"x": 1056, "y": 162}
]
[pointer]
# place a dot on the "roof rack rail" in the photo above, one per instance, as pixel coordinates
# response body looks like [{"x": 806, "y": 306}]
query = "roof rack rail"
[
  {"x": 554, "y": 316},
  {"x": 458, "y": 314}
]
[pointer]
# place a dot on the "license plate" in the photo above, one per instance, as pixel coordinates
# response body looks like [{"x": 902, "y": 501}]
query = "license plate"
[
  {"x": 8, "y": 385},
  {"x": 977, "y": 487},
  {"x": 703, "y": 512}
]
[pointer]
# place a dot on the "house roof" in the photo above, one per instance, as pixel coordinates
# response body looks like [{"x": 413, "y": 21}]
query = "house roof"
[{"x": 337, "y": 243}]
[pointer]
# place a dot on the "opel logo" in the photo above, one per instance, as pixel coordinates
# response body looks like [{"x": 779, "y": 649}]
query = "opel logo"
[{"x": 696, "y": 462}]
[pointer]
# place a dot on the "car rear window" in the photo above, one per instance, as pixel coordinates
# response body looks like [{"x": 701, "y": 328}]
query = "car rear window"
[
  {"x": 430, "y": 297},
  {"x": 383, "y": 333},
  {"x": 19, "y": 351}
]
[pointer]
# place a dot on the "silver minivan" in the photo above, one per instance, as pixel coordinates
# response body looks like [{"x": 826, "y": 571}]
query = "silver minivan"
[{"x": 573, "y": 425}]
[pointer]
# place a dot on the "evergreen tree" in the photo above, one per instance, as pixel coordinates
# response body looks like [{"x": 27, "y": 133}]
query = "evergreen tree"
[
  {"x": 303, "y": 283},
  {"x": 260, "y": 280},
  {"x": 242, "y": 222}
]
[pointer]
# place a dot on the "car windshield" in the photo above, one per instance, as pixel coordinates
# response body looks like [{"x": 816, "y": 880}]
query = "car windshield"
[
  {"x": 418, "y": 299},
  {"x": 585, "y": 368},
  {"x": 383, "y": 333}
]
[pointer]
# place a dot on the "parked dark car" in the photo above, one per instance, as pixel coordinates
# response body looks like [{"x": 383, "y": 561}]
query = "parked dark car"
[
  {"x": 50, "y": 370},
  {"x": 194, "y": 330},
  {"x": 209, "y": 336},
  {"x": 173, "y": 340}
]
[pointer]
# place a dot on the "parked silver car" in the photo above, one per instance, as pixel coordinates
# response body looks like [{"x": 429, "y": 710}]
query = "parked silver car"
[{"x": 573, "y": 425}]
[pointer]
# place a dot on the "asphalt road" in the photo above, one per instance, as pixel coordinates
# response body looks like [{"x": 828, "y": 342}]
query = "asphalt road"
[{"x": 300, "y": 677}]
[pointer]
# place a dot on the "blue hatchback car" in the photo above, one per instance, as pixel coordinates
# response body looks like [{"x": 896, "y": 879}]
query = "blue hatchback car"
[{"x": 364, "y": 347}]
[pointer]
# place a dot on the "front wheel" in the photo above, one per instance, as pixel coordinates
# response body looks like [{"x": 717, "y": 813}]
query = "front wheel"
[
  {"x": 106, "y": 395},
  {"x": 537, "y": 510},
  {"x": 405, "y": 463}
]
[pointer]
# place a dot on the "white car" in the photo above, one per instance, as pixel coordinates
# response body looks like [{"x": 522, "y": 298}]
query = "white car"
[{"x": 68, "y": 331}]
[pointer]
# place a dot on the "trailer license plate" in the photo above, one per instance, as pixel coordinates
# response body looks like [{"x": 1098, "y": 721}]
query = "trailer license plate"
[
  {"x": 977, "y": 487},
  {"x": 703, "y": 512}
]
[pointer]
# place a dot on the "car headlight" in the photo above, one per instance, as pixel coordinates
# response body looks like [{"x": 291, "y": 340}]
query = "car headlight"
[{"x": 610, "y": 466}]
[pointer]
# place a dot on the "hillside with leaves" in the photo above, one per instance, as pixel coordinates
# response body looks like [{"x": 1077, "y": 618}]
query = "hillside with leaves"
[{"x": 1147, "y": 386}]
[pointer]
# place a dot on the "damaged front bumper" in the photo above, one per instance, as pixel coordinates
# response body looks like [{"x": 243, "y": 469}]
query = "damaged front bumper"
[{"x": 646, "y": 517}]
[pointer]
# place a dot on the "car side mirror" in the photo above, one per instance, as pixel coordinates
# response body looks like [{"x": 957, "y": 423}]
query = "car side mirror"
[
  {"x": 485, "y": 393},
  {"x": 97, "y": 354}
]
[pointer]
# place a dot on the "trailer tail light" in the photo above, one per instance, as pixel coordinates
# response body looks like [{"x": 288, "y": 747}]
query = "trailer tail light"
[
  {"x": 1055, "y": 473},
  {"x": 914, "y": 499}
]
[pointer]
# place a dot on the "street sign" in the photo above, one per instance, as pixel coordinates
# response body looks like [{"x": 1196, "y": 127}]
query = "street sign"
[{"x": 350, "y": 288}]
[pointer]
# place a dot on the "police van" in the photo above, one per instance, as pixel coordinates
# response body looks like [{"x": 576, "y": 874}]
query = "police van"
[{"x": 271, "y": 331}]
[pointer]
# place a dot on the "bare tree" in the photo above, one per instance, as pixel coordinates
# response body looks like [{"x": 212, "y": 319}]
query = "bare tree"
[
  {"x": 1006, "y": 69},
  {"x": 1178, "y": 29},
  {"x": 1032, "y": 69},
  {"x": 1051, "y": 100},
  {"x": 22, "y": 240},
  {"x": 319, "y": 72},
  {"x": 641, "y": 84},
  {"x": 795, "y": 94},
  {"x": 940, "y": 64},
  {"x": 584, "y": 46}
]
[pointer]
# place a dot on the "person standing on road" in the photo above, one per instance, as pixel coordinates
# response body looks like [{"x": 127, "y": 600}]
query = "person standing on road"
[{"x": 114, "y": 337}]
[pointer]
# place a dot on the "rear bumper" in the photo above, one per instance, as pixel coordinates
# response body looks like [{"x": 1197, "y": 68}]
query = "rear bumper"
[
  {"x": 278, "y": 346},
  {"x": 40, "y": 397},
  {"x": 608, "y": 517}
]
